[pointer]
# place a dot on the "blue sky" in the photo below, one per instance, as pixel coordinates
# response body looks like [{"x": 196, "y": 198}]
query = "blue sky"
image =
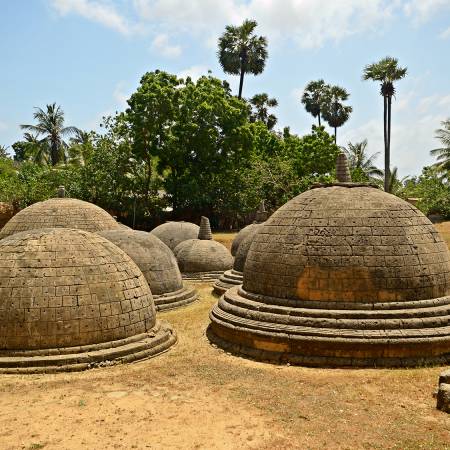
[{"x": 88, "y": 56}]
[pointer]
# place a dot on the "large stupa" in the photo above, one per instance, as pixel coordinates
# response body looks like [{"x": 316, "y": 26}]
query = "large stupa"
[
  {"x": 172, "y": 233},
  {"x": 157, "y": 263},
  {"x": 71, "y": 300},
  {"x": 342, "y": 275}
]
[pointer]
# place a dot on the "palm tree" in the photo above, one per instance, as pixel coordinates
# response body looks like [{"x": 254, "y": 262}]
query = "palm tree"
[
  {"x": 334, "y": 111},
  {"x": 360, "y": 162},
  {"x": 260, "y": 105},
  {"x": 387, "y": 72},
  {"x": 51, "y": 126},
  {"x": 314, "y": 96},
  {"x": 442, "y": 154},
  {"x": 4, "y": 151},
  {"x": 81, "y": 148},
  {"x": 241, "y": 51}
]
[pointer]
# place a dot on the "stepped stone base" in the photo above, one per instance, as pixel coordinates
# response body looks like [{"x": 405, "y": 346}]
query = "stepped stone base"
[
  {"x": 398, "y": 334},
  {"x": 202, "y": 277},
  {"x": 229, "y": 279},
  {"x": 175, "y": 299},
  {"x": 158, "y": 340}
]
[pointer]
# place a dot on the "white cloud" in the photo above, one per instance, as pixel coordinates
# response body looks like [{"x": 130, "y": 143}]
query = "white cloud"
[
  {"x": 3, "y": 126},
  {"x": 99, "y": 11},
  {"x": 121, "y": 95},
  {"x": 445, "y": 34},
  {"x": 162, "y": 45},
  {"x": 195, "y": 72},
  {"x": 422, "y": 10}
]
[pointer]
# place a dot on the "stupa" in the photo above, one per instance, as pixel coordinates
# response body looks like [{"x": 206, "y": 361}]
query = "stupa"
[
  {"x": 71, "y": 300},
  {"x": 172, "y": 233},
  {"x": 60, "y": 212},
  {"x": 203, "y": 259},
  {"x": 157, "y": 263},
  {"x": 260, "y": 217},
  {"x": 235, "y": 276},
  {"x": 241, "y": 245},
  {"x": 342, "y": 275}
]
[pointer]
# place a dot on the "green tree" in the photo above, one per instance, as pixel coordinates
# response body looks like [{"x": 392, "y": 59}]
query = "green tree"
[
  {"x": 50, "y": 125},
  {"x": 362, "y": 165},
  {"x": 386, "y": 71},
  {"x": 32, "y": 149},
  {"x": 80, "y": 148},
  {"x": 314, "y": 97},
  {"x": 335, "y": 113},
  {"x": 241, "y": 51},
  {"x": 4, "y": 151},
  {"x": 150, "y": 117},
  {"x": 260, "y": 109},
  {"x": 442, "y": 154}
]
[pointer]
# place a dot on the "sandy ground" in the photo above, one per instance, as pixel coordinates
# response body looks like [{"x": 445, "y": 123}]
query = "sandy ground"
[{"x": 198, "y": 397}]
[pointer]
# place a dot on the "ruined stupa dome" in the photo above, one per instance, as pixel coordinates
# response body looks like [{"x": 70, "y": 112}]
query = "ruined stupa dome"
[
  {"x": 70, "y": 299},
  {"x": 60, "y": 213},
  {"x": 342, "y": 274},
  {"x": 203, "y": 258},
  {"x": 261, "y": 216},
  {"x": 234, "y": 276},
  {"x": 157, "y": 263},
  {"x": 172, "y": 233}
]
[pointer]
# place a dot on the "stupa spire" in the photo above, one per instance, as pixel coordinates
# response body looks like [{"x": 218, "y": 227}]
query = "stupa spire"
[
  {"x": 342, "y": 169},
  {"x": 61, "y": 191},
  {"x": 261, "y": 213},
  {"x": 205, "y": 229}
]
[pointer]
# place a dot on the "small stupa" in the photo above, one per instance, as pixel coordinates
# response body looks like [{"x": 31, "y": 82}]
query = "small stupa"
[
  {"x": 203, "y": 258},
  {"x": 172, "y": 233},
  {"x": 344, "y": 274},
  {"x": 157, "y": 263}
]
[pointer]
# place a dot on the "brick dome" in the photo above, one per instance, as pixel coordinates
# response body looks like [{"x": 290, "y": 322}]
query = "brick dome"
[
  {"x": 60, "y": 213},
  {"x": 172, "y": 233},
  {"x": 241, "y": 236},
  {"x": 70, "y": 299},
  {"x": 342, "y": 274},
  {"x": 203, "y": 258},
  {"x": 235, "y": 275},
  {"x": 157, "y": 263}
]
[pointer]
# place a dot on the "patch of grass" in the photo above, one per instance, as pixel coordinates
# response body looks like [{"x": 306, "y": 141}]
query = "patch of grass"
[{"x": 36, "y": 446}]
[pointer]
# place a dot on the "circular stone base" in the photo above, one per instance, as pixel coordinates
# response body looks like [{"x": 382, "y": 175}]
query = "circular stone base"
[
  {"x": 362, "y": 335},
  {"x": 201, "y": 277},
  {"x": 229, "y": 279},
  {"x": 175, "y": 299},
  {"x": 158, "y": 340}
]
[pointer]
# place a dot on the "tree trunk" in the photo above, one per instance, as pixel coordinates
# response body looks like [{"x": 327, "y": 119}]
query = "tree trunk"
[
  {"x": 241, "y": 81},
  {"x": 335, "y": 134},
  {"x": 318, "y": 115},
  {"x": 388, "y": 158},
  {"x": 386, "y": 153}
]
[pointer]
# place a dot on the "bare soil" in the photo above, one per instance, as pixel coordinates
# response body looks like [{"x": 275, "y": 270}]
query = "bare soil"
[{"x": 198, "y": 397}]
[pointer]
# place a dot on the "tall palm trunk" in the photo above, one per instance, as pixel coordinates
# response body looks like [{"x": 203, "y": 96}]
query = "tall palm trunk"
[
  {"x": 54, "y": 153},
  {"x": 386, "y": 151},
  {"x": 388, "y": 147},
  {"x": 335, "y": 134},
  {"x": 318, "y": 116},
  {"x": 243, "y": 57}
]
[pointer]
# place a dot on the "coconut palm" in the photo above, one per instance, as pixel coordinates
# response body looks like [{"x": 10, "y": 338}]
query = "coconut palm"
[
  {"x": 81, "y": 148},
  {"x": 241, "y": 51},
  {"x": 260, "y": 109},
  {"x": 386, "y": 71},
  {"x": 360, "y": 162},
  {"x": 314, "y": 96},
  {"x": 335, "y": 113},
  {"x": 442, "y": 154},
  {"x": 51, "y": 126}
]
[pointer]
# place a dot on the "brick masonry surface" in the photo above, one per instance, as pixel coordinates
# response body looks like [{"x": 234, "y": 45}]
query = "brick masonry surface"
[
  {"x": 66, "y": 287},
  {"x": 172, "y": 233},
  {"x": 60, "y": 213}
]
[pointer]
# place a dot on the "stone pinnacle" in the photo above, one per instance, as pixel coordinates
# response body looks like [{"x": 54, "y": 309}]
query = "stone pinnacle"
[{"x": 205, "y": 229}]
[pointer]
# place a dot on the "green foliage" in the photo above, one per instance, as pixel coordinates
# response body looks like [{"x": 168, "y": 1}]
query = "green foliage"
[
  {"x": 260, "y": 104},
  {"x": 442, "y": 154},
  {"x": 362, "y": 166}
]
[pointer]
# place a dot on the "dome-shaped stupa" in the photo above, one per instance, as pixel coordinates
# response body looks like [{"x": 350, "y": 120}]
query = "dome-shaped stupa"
[
  {"x": 172, "y": 233},
  {"x": 260, "y": 217},
  {"x": 157, "y": 263},
  {"x": 343, "y": 274},
  {"x": 71, "y": 300},
  {"x": 235, "y": 276},
  {"x": 203, "y": 258},
  {"x": 60, "y": 213}
]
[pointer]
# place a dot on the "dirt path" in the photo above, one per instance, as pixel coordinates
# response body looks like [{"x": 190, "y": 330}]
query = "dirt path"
[{"x": 196, "y": 396}]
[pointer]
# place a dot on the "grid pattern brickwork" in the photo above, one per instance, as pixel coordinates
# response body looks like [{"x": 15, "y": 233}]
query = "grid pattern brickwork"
[
  {"x": 66, "y": 287},
  {"x": 352, "y": 244},
  {"x": 172, "y": 233},
  {"x": 60, "y": 213}
]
